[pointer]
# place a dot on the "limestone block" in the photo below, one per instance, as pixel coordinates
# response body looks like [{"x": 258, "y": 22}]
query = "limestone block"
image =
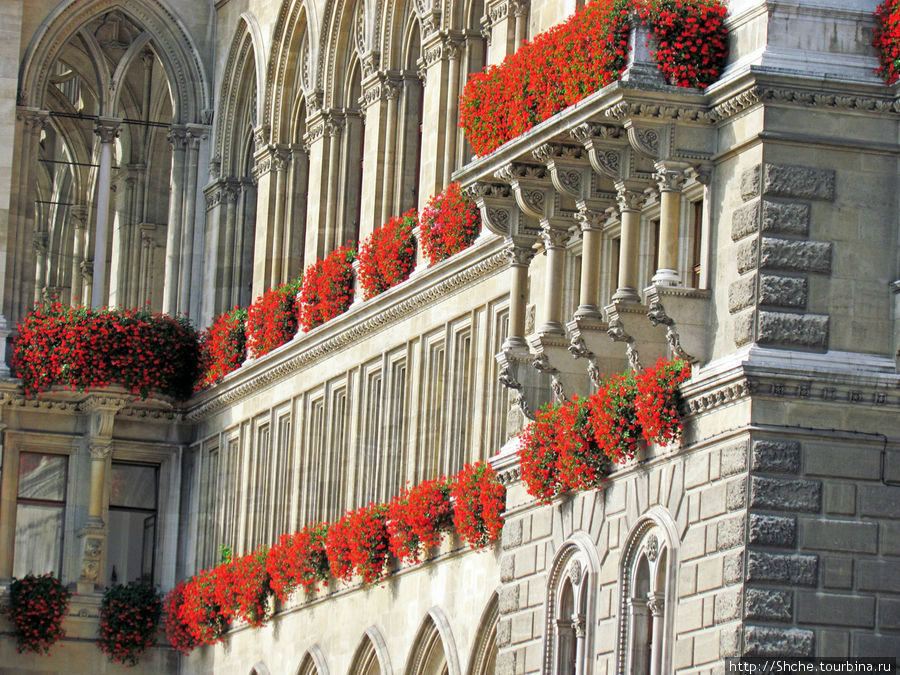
[
  {"x": 506, "y": 663},
  {"x": 712, "y": 501},
  {"x": 504, "y": 632},
  {"x": 879, "y": 500},
  {"x": 872, "y": 644},
  {"x": 750, "y": 183},
  {"x": 840, "y": 499},
  {"x": 733, "y": 568},
  {"x": 781, "y": 291},
  {"x": 836, "y": 609},
  {"x": 524, "y": 565},
  {"x": 766, "y": 604},
  {"x": 770, "y": 641},
  {"x": 785, "y": 217},
  {"x": 889, "y": 613},
  {"x": 844, "y": 461},
  {"x": 706, "y": 646},
  {"x": 837, "y": 572},
  {"x": 541, "y": 523},
  {"x": 787, "y": 329},
  {"x": 507, "y": 567},
  {"x": 745, "y": 220},
  {"x": 696, "y": 470},
  {"x": 512, "y": 534},
  {"x": 833, "y": 643},
  {"x": 785, "y": 180},
  {"x": 878, "y": 575},
  {"x": 767, "y": 530},
  {"x": 839, "y": 535},
  {"x": 729, "y": 643},
  {"x": 789, "y": 568},
  {"x": 744, "y": 325},
  {"x": 736, "y": 494},
  {"x": 520, "y": 630},
  {"x": 889, "y": 542},
  {"x": 709, "y": 574},
  {"x": 509, "y": 599},
  {"x": 892, "y": 464},
  {"x": 775, "y": 456},
  {"x": 781, "y": 494},
  {"x": 792, "y": 255},
  {"x": 742, "y": 293}
]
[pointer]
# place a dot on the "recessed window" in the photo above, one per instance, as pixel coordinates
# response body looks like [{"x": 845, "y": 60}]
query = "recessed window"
[
  {"x": 40, "y": 514},
  {"x": 133, "y": 491}
]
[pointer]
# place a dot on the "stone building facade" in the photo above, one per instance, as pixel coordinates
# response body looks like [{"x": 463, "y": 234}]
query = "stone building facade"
[{"x": 192, "y": 154}]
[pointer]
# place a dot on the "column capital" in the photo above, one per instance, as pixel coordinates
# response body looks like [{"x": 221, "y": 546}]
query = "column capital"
[
  {"x": 554, "y": 237},
  {"x": 669, "y": 178},
  {"x": 33, "y": 119},
  {"x": 79, "y": 214},
  {"x": 519, "y": 255},
  {"x": 630, "y": 196},
  {"x": 177, "y": 137},
  {"x": 107, "y": 128}
]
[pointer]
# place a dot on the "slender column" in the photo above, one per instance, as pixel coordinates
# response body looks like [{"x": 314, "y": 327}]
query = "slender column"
[
  {"x": 280, "y": 162},
  {"x": 108, "y": 130},
  {"x": 78, "y": 214},
  {"x": 434, "y": 117},
  {"x": 670, "y": 183},
  {"x": 450, "y": 121},
  {"x": 655, "y": 603},
  {"x": 230, "y": 196},
  {"x": 591, "y": 245},
  {"x": 520, "y": 9},
  {"x": 502, "y": 26},
  {"x": 519, "y": 259},
  {"x": 295, "y": 214},
  {"x": 555, "y": 245},
  {"x": 137, "y": 217},
  {"x": 122, "y": 244},
  {"x": 579, "y": 625},
  {"x": 40, "y": 267},
  {"x": 392, "y": 91},
  {"x": 630, "y": 202},
  {"x": 177, "y": 139},
  {"x": 87, "y": 280},
  {"x": 144, "y": 291},
  {"x": 334, "y": 130},
  {"x": 192, "y": 159}
]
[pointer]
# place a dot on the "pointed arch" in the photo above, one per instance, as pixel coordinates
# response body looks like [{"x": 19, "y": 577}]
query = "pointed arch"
[
  {"x": 648, "y": 573},
  {"x": 175, "y": 49},
  {"x": 371, "y": 656},
  {"x": 313, "y": 662},
  {"x": 259, "y": 668},
  {"x": 434, "y": 649},
  {"x": 483, "y": 660}
]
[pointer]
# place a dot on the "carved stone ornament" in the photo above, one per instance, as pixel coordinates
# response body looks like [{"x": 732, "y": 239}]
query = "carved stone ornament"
[
  {"x": 575, "y": 572},
  {"x": 630, "y": 199},
  {"x": 652, "y": 548},
  {"x": 519, "y": 255},
  {"x": 655, "y": 604},
  {"x": 579, "y": 626},
  {"x": 669, "y": 180}
]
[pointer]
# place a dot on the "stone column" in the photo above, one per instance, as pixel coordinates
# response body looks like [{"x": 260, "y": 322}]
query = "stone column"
[
  {"x": 280, "y": 164},
  {"x": 453, "y": 55},
  {"x": 40, "y": 264},
  {"x": 188, "y": 218},
  {"x": 519, "y": 259},
  {"x": 631, "y": 200},
  {"x": 177, "y": 139},
  {"x": 555, "y": 239},
  {"x": 392, "y": 133},
  {"x": 226, "y": 257},
  {"x": 501, "y": 22},
  {"x": 123, "y": 241},
  {"x": 78, "y": 214},
  {"x": 9, "y": 489},
  {"x": 316, "y": 139},
  {"x": 107, "y": 129},
  {"x": 138, "y": 175},
  {"x": 334, "y": 130},
  {"x": 520, "y": 11},
  {"x": 579, "y": 625},
  {"x": 15, "y": 283},
  {"x": 436, "y": 48},
  {"x": 295, "y": 213},
  {"x": 87, "y": 280},
  {"x": 670, "y": 182},
  {"x": 591, "y": 246},
  {"x": 655, "y": 603}
]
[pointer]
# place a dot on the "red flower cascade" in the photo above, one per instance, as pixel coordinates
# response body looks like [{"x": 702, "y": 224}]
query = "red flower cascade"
[
  {"x": 886, "y": 40},
  {"x": 450, "y": 223},
  {"x": 223, "y": 346},
  {"x": 272, "y": 319},
  {"x": 37, "y": 606},
  {"x": 388, "y": 255},
  {"x": 129, "y": 616},
  {"x": 327, "y": 288},
  {"x": 480, "y": 500}
]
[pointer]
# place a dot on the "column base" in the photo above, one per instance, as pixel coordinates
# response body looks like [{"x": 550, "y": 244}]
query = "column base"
[
  {"x": 588, "y": 312},
  {"x": 666, "y": 277},
  {"x": 626, "y": 294}
]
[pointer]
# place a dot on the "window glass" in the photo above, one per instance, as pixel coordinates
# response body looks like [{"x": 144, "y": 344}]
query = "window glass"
[
  {"x": 40, "y": 514},
  {"x": 42, "y": 476},
  {"x": 132, "y": 522},
  {"x": 133, "y": 486}
]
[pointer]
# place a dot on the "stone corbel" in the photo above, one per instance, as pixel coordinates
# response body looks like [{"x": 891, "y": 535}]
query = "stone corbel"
[
  {"x": 606, "y": 146},
  {"x": 684, "y": 313},
  {"x": 653, "y": 141},
  {"x": 644, "y": 342}
]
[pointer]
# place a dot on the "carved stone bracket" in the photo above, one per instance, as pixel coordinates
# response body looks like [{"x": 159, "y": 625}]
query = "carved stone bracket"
[
  {"x": 628, "y": 324},
  {"x": 589, "y": 340},
  {"x": 684, "y": 313}
]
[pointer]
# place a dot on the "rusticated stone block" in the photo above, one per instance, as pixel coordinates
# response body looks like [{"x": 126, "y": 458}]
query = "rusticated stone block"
[
  {"x": 773, "y": 530},
  {"x": 727, "y": 605},
  {"x": 730, "y": 533},
  {"x": 512, "y": 534},
  {"x": 769, "y": 641},
  {"x": 509, "y": 599},
  {"x": 507, "y": 567},
  {"x": 793, "y": 255},
  {"x": 742, "y": 293},
  {"x": 789, "y": 329},
  {"x": 785, "y": 217},
  {"x": 506, "y": 663},
  {"x": 779, "y": 494},
  {"x": 780, "y": 291},
  {"x": 744, "y": 325},
  {"x": 734, "y": 458},
  {"x": 745, "y": 220},
  {"x": 785, "y": 180},
  {"x": 733, "y": 568},
  {"x": 796, "y": 569},
  {"x": 504, "y": 632},
  {"x": 736, "y": 494},
  {"x": 775, "y": 456},
  {"x": 747, "y": 255},
  {"x": 750, "y": 183},
  {"x": 767, "y": 604}
]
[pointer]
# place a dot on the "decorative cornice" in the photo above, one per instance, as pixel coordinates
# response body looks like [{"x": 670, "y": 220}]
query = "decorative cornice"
[{"x": 754, "y": 95}]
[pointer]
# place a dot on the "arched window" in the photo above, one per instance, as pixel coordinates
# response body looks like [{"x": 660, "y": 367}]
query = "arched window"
[
  {"x": 313, "y": 663},
  {"x": 353, "y": 152},
  {"x": 647, "y": 584},
  {"x": 434, "y": 650},
  {"x": 570, "y": 603}
]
